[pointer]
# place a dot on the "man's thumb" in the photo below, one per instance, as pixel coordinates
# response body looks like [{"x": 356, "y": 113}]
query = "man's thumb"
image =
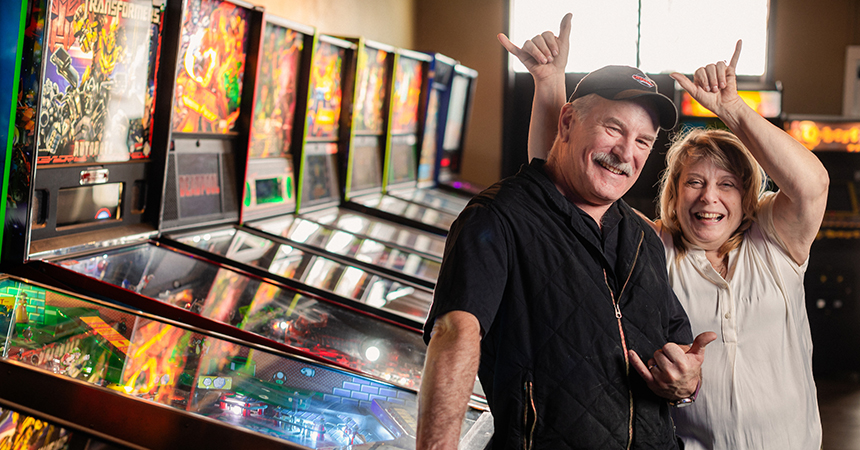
[{"x": 701, "y": 341}]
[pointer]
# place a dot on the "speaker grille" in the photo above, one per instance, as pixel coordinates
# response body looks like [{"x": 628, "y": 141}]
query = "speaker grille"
[{"x": 171, "y": 203}]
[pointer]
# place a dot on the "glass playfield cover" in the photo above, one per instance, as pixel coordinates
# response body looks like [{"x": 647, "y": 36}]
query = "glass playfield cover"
[{"x": 248, "y": 386}]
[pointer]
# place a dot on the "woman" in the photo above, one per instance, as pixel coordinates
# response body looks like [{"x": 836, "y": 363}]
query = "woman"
[{"x": 736, "y": 256}]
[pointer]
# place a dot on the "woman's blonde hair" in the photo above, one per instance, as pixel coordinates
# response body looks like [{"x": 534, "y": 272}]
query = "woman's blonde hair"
[{"x": 728, "y": 153}]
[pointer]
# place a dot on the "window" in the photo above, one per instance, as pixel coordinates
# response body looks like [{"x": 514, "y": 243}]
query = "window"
[{"x": 659, "y": 36}]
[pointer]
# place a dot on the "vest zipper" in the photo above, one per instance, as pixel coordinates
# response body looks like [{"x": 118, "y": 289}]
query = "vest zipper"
[
  {"x": 623, "y": 337},
  {"x": 529, "y": 407}
]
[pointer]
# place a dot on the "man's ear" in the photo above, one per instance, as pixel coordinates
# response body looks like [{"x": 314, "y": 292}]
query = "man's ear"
[{"x": 566, "y": 120}]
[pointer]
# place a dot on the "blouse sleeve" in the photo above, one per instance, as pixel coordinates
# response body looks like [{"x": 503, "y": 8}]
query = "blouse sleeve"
[{"x": 764, "y": 219}]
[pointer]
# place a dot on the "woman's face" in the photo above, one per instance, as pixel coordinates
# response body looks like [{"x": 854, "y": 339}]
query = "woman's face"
[{"x": 710, "y": 204}]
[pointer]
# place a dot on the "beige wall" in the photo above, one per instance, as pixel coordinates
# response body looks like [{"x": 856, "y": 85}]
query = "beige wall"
[
  {"x": 810, "y": 52},
  {"x": 387, "y": 21}
]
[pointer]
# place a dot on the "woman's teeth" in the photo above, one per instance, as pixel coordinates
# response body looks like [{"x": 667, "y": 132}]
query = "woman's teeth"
[{"x": 709, "y": 216}]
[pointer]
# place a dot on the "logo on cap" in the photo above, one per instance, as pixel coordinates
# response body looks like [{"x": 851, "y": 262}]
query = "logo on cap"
[{"x": 644, "y": 81}]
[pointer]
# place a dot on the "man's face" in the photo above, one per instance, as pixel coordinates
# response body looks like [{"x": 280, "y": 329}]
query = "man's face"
[{"x": 602, "y": 154}]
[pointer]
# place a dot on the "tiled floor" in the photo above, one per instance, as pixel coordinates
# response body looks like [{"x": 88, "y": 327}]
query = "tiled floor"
[{"x": 839, "y": 404}]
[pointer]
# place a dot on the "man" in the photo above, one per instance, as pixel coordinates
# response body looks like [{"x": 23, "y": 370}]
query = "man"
[{"x": 551, "y": 284}]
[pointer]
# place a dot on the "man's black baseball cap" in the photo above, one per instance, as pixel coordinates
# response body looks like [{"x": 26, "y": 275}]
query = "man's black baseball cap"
[{"x": 625, "y": 83}]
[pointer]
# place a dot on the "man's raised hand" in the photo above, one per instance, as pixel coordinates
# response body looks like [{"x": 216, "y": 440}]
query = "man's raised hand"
[{"x": 545, "y": 55}]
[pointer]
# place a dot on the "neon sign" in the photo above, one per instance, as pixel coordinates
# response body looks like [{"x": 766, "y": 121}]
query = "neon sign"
[{"x": 826, "y": 136}]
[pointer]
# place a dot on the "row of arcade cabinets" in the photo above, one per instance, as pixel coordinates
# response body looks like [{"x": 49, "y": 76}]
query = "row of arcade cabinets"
[
  {"x": 230, "y": 214},
  {"x": 833, "y": 271}
]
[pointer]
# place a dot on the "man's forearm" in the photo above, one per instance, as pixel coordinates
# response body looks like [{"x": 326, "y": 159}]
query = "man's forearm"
[{"x": 449, "y": 375}]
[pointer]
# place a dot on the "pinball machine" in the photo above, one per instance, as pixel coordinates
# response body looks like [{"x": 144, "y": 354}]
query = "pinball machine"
[
  {"x": 138, "y": 122},
  {"x": 377, "y": 262}
]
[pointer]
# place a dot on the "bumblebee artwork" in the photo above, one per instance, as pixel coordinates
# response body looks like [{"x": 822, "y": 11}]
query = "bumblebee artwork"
[{"x": 93, "y": 93}]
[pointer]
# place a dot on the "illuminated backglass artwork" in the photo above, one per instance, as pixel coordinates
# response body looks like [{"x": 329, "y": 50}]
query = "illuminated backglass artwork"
[
  {"x": 213, "y": 45},
  {"x": 277, "y": 86},
  {"x": 368, "y": 111},
  {"x": 94, "y": 85},
  {"x": 407, "y": 95},
  {"x": 325, "y": 92}
]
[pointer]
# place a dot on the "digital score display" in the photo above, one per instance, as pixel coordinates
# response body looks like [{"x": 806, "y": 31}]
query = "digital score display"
[
  {"x": 89, "y": 204},
  {"x": 408, "y": 80},
  {"x": 208, "y": 91},
  {"x": 199, "y": 182},
  {"x": 325, "y": 92},
  {"x": 371, "y": 84},
  {"x": 270, "y": 190},
  {"x": 92, "y": 100},
  {"x": 276, "y": 92},
  {"x": 767, "y": 103}
]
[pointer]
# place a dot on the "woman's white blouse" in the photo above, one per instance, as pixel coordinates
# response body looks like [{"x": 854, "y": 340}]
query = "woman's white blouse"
[{"x": 757, "y": 390}]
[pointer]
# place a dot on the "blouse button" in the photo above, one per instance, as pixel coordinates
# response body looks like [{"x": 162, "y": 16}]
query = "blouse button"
[{"x": 728, "y": 315}]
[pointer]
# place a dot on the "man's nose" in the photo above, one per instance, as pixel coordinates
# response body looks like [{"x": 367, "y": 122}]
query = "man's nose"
[{"x": 624, "y": 149}]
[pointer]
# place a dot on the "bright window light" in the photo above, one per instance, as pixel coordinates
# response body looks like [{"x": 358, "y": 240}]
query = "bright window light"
[
  {"x": 675, "y": 38},
  {"x": 601, "y": 33},
  {"x": 676, "y": 35}
]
